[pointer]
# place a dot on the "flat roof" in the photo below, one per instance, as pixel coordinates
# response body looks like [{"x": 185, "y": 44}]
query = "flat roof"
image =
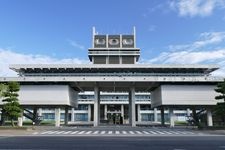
[{"x": 111, "y": 68}]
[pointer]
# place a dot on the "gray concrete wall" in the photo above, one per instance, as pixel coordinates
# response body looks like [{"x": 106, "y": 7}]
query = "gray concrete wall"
[
  {"x": 184, "y": 95},
  {"x": 46, "y": 95}
]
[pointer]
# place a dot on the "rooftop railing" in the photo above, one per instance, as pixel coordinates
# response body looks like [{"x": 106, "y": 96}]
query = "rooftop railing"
[{"x": 114, "y": 74}]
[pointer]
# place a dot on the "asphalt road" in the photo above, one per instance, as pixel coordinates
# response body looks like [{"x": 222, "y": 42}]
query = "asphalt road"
[{"x": 114, "y": 143}]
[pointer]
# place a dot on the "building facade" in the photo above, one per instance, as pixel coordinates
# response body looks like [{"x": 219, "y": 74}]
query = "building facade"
[{"x": 114, "y": 88}]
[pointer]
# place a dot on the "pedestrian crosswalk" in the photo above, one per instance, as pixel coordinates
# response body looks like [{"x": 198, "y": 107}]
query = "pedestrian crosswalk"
[{"x": 116, "y": 132}]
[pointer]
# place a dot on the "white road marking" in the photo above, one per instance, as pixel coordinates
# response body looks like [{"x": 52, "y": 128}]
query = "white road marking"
[
  {"x": 67, "y": 132},
  {"x": 110, "y": 132},
  {"x": 152, "y": 132},
  {"x": 138, "y": 132},
  {"x": 102, "y": 132},
  {"x": 167, "y": 132},
  {"x": 81, "y": 132},
  {"x": 74, "y": 132},
  {"x": 145, "y": 132},
  {"x": 131, "y": 132},
  {"x": 59, "y": 132},
  {"x": 96, "y": 132},
  {"x": 159, "y": 132},
  {"x": 117, "y": 132},
  {"x": 124, "y": 132},
  {"x": 89, "y": 132}
]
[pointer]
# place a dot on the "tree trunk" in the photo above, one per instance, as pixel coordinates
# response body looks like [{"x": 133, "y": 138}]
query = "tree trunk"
[{"x": 12, "y": 123}]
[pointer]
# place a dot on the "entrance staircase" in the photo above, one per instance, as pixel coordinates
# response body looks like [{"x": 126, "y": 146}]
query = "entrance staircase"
[{"x": 33, "y": 116}]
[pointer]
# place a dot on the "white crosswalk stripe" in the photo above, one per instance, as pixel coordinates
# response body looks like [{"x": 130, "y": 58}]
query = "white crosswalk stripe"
[
  {"x": 59, "y": 132},
  {"x": 74, "y": 132},
  {"x": 103, "y": 132},
  {"x": 81, "y": 132},
  {"x": 159, "y": 132},
  {"x": 152, "y": 132},
  {"x": 145, "y": 132},
  {"x": 96, "y": 132},
  {"x": 138, "y": 132},
  {"x": 89, "y": 132}
]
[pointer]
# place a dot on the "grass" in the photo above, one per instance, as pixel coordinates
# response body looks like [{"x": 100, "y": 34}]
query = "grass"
[{"x": 181, "y": 123}]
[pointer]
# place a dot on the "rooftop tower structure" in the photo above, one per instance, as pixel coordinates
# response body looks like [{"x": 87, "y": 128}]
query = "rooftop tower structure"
[{"x": 114, "y": 49}]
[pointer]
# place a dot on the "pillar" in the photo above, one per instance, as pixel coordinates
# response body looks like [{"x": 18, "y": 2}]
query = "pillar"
[
  {"x": 132, "y": 113},
  {"x": 171, "y": 114},
  {"x": 188, "y": 112},
  {"x": 195, "y": 117},
  {"x": 155, "y": 115},
  {"x": 39, "y": 111},
  {"x": 96, "y": 106},
  {"x": 20, "y": 119},
  {"x": 122, "y": 113},
  {"x": 105, "y": 112},
  {"x": 57, "y": 117},
  {"x": 35, "y": 115},
  {"x": 162, "y": 116},
  {"x": 139, "y": 113},
  {"x": 89, "y": 112},
  {"x": 66, "y": 116},
  {"x": 209, "y": 118},
  {"x": 72, "y": 114}
]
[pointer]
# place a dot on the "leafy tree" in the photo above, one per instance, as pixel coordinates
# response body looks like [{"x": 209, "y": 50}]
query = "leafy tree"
[
  {"x": 221, "y": 89},
  {"x": 220, "y": 108},
  {"x": 2, "y": 88},
  {"x": 11, "y": 104}
]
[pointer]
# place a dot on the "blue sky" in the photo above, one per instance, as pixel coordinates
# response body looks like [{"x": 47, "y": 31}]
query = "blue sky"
[{"x": 60, "y": 31}]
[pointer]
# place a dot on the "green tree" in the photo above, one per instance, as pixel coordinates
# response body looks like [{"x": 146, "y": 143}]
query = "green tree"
[
  {"x": 11, "y": 104},
  {"x": 220, "y": 108},
  {"x": 2, "y": 88}
]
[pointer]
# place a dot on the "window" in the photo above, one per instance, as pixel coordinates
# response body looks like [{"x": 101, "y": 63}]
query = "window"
[{"x": 81, "y": 117}]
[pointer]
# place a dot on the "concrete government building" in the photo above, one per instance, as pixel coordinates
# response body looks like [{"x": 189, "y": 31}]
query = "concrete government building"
[{"x": 114, "y": 88}]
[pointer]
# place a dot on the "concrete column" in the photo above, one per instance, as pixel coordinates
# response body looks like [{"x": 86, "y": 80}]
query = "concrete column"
[
  {"x": 96, "y": 106},
  {"x": 188, "y": 112},
  {"x": 209, "y": 118},
  {"x": 105, "y": 112},
  {"x": 139, "y": 113},
  {"x": 20, "y": 120},
  {"x": 162, "y": 116},
  {"x": 155, "y": 115},
  {"x": 171, "y": 114},
  {"x": 35, "y": 114},
  {"x": 39, "y": 112},
  {"x": 195, "y": 117},
  {"x": 72, "y": 114},
  {"x": 57, "y": 117},
  {"x": 132, "y": 113},
  {"x": 66, "y": 117},
  {"x": 122, "y": 113},
  {"x": 89, "y": 112}
]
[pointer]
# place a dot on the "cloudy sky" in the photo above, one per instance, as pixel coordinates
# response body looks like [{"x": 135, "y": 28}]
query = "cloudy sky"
[{"x": 60, "y": 31}]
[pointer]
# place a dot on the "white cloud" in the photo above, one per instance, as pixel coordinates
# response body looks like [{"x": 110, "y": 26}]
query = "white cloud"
[
  {"x": 205, "y": 39},
  {"x": 76, "y": 44},
  {"x": 194, "y": 8},
  {"x": 202, "y": 51},
  {"x": 187, "y": 57},
  {"x": 9, "y": 57}
]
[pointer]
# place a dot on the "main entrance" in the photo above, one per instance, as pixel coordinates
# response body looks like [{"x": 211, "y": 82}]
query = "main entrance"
[{"x": 114, "y": 114}]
